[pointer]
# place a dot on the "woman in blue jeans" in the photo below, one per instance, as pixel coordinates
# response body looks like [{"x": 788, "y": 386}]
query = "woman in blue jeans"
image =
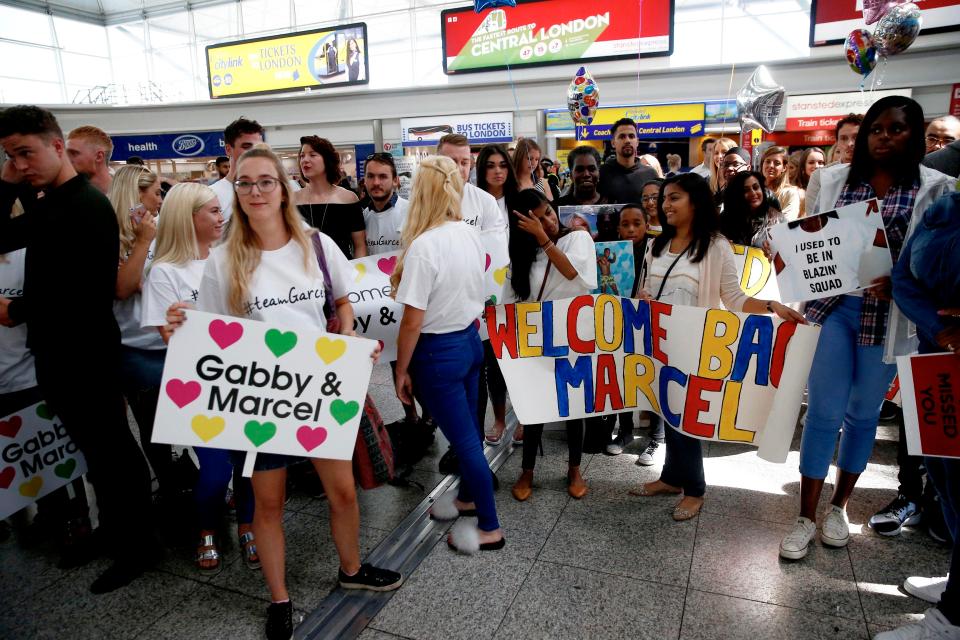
[
  {"x": 926, "y": 285},
  {"x": 849, "y": 376},
  {"x": 439, "y": 280}
]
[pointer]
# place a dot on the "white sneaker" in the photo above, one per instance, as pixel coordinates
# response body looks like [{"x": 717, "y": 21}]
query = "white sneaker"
[
  {"x": 929, "y": 589},
  {"x": 835, "y": 531},
  {"x": 796, "y": 544},
  {"x": 934, "y": 626},
  {"x": 649, "y": 456}
]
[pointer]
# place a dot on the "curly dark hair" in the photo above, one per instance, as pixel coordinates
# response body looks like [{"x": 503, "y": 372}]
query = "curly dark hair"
[{"x": 329, "y": 153}]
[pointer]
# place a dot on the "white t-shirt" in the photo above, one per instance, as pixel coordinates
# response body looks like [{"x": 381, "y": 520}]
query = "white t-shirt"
[
  {"x": 281, "y": 290},
  {"x": 166, "y": 284},
  {"x": 128, "y": 313},
  {"x": 384, "y": 227},
  {"x": 224, "y": 191},
  {"x": 16, "y": 362},
  {"x": 479, "y": 210},
  {"x": 580, "y": 251},
  {"x": 683, "y": 283},
  {"x": 702, "y": 170},
  {"x": 443, "y": 275}
]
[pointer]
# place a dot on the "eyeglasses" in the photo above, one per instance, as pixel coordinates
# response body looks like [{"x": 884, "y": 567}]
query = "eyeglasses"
[
  {"x": 380, "y": 156},
  {"x": 733, "y": 165},
  {"x": 264, "y": 185},
  {"x": 652, "y": 198},
  {"x": 944, "y": 141}
]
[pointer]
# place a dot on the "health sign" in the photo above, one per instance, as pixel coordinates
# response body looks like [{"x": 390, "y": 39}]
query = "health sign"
[
  {"x": 295, "y": 62},
  {"x": 540, "y": 32}
]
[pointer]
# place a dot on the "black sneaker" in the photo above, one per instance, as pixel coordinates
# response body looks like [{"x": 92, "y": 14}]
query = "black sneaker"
[
  {"x": 117, "y": 575},
  {"x": 371, "y": 578},
  {"x": 889, "y": 520},
  {"x": 280, "y": 621},
  {"x": 449, "y": 463}
]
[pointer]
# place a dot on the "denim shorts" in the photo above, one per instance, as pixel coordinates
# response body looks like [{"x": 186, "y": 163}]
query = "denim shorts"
[{"x": 265, "y": 461}]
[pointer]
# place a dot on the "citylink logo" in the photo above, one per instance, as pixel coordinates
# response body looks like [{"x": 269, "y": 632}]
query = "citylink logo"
[{"x": 188, "y": 145}]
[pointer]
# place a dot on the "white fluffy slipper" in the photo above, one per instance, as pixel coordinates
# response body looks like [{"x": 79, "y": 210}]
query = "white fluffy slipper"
[
  {"x": 464, "y": 536},
  {"x": 444, "y": 508}
]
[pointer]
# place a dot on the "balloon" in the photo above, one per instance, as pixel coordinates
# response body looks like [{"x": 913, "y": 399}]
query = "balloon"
[
  {"x": 861, "y": 51},
  {"x": 480, "y": 5},
  {"x": 873, "y": 10},
  {"x": 583, "y": 97},
  {"x": 897, "y": 30},
  {"x": 760, "y": 100}
]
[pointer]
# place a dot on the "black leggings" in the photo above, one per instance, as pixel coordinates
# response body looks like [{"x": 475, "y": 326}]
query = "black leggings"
[
  {"x": 533, "y": 433},
  {"x": 490, "y": 378}
]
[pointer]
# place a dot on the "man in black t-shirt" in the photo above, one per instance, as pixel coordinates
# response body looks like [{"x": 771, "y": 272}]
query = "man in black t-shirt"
[
  {"x": 70, "y": 274},
  {"x": 622, "y": 178}
]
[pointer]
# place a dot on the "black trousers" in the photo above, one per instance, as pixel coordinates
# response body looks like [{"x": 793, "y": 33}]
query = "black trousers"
[
  {"x": 533, "y": 434},
  {"x": 490, "y": 378}
]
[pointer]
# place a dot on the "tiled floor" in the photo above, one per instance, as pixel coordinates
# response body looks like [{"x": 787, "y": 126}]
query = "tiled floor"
[{"x": 608, "y": 566}]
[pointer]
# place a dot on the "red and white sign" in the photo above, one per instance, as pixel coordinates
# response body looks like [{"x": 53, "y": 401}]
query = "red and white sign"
[
  {"x": 930, "y": 390},
  {"x": 823, "y": 138},
  {"x": 825, "y": 110},
  {"x": 955, "y": 101},
  {"x": 832, "y": 20}
]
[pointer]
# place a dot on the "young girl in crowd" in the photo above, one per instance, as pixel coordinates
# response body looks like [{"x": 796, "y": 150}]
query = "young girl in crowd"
[
  {"x": 191, "y": 223},
  {"x": 548, "y": 262},
  {"x": 849, "y": 377},
  {"x": 135, "y": 196},
  {"x": 526, "y": 166},
  {"x": 269, "y": 246},
  {"x": 649, "y": 197},
  {"x": 690, "y": 263},
  {"x": 773, "y": 164},
  {"x": 333, "y": 210},
  {"x": 749, "y": 210},
  {"x": 810, "y": 160},
  {"x": 439, "y": 280}
]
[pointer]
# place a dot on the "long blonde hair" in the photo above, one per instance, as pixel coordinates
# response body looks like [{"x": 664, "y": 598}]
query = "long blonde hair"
[
  {"x": 723, "y": 145},
  {"x": 434, "y": 199},
  {"x": 129, "y": 182},
  {"x": 176, "y": 235},
  {"x": 243, "y": 250}
]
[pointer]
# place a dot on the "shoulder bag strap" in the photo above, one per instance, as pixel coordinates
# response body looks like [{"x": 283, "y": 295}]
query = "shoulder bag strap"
[{"x": 663, "y": 282}]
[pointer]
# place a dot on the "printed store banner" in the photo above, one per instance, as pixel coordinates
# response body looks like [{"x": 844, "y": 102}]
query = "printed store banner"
[
  {"x": 712, "y": 374},
  {"x": 232, "y": 383},
  {"x": 930, "y": 396}
]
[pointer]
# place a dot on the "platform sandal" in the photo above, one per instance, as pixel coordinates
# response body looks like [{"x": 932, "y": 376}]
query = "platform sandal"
[
  {"x": 248, "y": 550},
  {"x": 207, "y": 552}
]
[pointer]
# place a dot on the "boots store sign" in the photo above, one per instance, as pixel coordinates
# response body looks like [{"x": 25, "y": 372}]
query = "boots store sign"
[{"x": 168, "y": 146}]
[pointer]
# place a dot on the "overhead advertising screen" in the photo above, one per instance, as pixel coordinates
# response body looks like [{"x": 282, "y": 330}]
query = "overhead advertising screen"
[
  {"x": 316, "y": 59},
  {"x": 541, "y": 32},
  {"x": 832, "y": 20}
]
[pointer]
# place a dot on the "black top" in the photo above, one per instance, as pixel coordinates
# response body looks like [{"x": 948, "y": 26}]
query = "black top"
[
  {"x": 621, "y": 185},
  {"x": 73, "y": 246},
  {"x": 337, "y": 220},
  {"x": 568, "y": 200}
]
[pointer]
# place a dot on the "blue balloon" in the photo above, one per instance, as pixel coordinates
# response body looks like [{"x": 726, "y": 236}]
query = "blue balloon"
[{"x": 480, "y": 5}]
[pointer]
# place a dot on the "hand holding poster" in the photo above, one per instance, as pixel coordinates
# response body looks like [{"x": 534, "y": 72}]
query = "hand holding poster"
[
  {"x": 711, "y": 374},
  {"x": 38, "y": 457},
  {"x": 831, "y": 253},
  {"x": 930, "y": 393},
  {"x": 231, "y": 383}
]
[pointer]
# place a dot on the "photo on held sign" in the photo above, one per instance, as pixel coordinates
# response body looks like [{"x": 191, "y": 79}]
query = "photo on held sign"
[
  {"x": 616, "y": 269},
  {"x": 599, "y": 220},
  {"x": 232, "y": 383},
  {"x": 930, "y": 397},
  {"x": 832, "y": 253},
  {"x": 38, "y": 457}
]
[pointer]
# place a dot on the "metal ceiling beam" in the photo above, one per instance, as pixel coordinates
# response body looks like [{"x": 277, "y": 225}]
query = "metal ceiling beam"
[{"x": 105, "y": 18}]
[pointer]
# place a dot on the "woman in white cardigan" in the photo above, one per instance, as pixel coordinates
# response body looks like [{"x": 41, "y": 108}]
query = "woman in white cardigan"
[{"x": 691, "y": 264}]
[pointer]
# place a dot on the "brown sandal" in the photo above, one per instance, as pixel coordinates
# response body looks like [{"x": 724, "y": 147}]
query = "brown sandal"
[
  {"x": 207, "y": 552},
  {"x": 248, "y": 551},
  {"x": 649, "y": 489},
  {"x": 687, "y": 513}
]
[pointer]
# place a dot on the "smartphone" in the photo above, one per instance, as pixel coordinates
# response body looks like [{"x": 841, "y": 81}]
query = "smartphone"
[{"x": 137, "y": 213}]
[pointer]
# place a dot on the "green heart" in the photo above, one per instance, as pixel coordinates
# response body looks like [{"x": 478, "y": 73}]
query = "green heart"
[
  {"x": 280, "y": 342},
  {"x": 343, "y": 411},
  {"x": 258, "y": 433},
  {"x": 45, "y": 412},
  {"x": 66, "y": 469}
]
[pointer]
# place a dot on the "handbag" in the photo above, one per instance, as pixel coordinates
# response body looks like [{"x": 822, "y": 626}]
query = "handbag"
[{"x": 373, "y": 463}]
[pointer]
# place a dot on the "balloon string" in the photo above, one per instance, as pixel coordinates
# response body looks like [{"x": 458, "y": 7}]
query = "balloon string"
[
  {"x": 639, "y": 35},
  {"x": 733, "y": 68},
  {"x": 513, "y": 87}
]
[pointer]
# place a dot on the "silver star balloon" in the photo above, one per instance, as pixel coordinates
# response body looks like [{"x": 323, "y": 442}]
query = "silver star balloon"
[{"x": 760, "y": 100}]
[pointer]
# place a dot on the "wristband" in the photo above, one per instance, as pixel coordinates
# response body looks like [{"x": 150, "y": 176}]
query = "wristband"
[{"x": 769, "y": 306}]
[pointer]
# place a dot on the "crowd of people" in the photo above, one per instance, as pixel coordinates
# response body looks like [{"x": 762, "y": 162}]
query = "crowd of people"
[{"x": 152, "y": 253}]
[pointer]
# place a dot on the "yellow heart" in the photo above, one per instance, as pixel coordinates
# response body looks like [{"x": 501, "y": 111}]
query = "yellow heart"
[
  {"x": 500, "y": 275},
  {"x": 207, "y": 428},
  {"x": 31, "y": 488},
  {"x": 361, "y": 271},
  {"x": 329, "y": 350}
]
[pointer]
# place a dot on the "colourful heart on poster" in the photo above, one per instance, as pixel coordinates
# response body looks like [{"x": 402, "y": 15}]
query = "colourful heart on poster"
[
  {"x": 182, "y": 393},
  {"x": 329, "y": 350},
  {"x": 31, "y": 487},
  {"x": 10, "y": 427},
  {"x": 207, "y": 428},
  {"x": 361, "y": 271},
  {"x": 258, "y": 432},
  {"x": 487, "y": 266},
  {"x": 342, "y": 411},
  {"x": 7, "y": 476},
  {"x": 387, "y": 265},
  {"x": 65, "y": 470},
  {"x": 280, "y": 342},
  {"x": 499, "y": 275},
  {"x": 309, "y": 438},
  {"x": 45, "y": 412},
  {"x": 225, "y": 333}
]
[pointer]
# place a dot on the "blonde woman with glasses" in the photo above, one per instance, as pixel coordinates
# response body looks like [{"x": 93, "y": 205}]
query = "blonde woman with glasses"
[{"x": 270, "y": 248}]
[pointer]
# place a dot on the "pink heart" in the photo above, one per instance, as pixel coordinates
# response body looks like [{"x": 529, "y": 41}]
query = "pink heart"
[
  {"x": 387, "y": 265},
  {"x": 873, "y": 10},
  {"x": 6, "y": 477},
  {"x": 225, "y": 333},
  {"x": 10, "y": 427},
  {"x": 309, "y": 438},
  {"x": 183, "y": 393},
  {"x": 487, "y": 268}
]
